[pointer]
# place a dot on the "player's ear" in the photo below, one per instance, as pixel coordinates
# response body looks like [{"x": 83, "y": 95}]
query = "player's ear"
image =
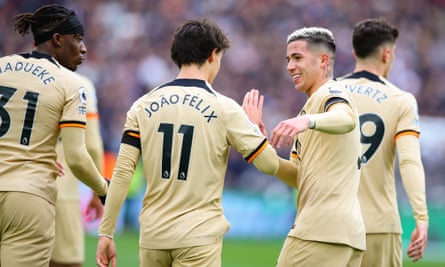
[
  {"x": 324, "y": 59},
  {"x": 212, "y": 56},
  {"x": 354, "y": 55},
  {"x": 386, "y": 54},
  {"x": 57, "y": 39}
]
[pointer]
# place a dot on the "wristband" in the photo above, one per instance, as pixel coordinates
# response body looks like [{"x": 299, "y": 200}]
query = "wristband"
[
  {"x": 311, "y": 122},
  {"x": 104, "y": 197},
  {"x": 109, "y": 236}
]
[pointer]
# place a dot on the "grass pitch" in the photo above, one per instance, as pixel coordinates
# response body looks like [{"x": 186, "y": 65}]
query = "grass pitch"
[{"x": 236, "y": 252}]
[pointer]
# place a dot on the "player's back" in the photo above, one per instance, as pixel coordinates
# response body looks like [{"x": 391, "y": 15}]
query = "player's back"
[
  {"x": 386, "y": 112},
  {"x": 38, "y": 96},
  {"x": 186, "y": 130}
]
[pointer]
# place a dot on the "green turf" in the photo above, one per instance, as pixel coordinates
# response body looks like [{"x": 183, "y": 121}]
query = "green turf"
[{"x": 236, "y": 253}]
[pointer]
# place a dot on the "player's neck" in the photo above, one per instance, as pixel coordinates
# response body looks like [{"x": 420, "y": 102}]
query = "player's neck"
[
  {"x": 377, "y": 69},
  {"x": 45, "y": 48},
  {"x": 192, "y": 72}
]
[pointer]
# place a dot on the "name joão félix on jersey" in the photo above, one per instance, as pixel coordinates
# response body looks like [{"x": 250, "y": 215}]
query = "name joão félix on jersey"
[{"x": 196, "y": 102}]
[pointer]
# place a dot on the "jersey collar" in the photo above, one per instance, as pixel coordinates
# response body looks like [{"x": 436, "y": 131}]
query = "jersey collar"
[
  {"x": 35, "y": 54},
  {"x": 365, "y": 74},
  {"x": 190, "y": 83}
]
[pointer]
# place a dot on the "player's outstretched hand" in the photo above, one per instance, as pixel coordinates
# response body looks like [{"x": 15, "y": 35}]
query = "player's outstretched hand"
[
  {"x": 286, "y": 130},
  {"x": 106, "y": 252},
  {"x": 419, "y": 238},
  {"x": 253, "y": 106}
]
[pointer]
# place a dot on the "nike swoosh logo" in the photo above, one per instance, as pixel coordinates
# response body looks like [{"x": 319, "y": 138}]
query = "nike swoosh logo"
[{"x": 334, "y": 91}]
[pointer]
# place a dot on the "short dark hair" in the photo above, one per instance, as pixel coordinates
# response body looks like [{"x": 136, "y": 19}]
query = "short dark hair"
[
  {"x": 369, "y": 34},
  {"x": 194, "y": 41},
  {"x": 46, "y": 20}
]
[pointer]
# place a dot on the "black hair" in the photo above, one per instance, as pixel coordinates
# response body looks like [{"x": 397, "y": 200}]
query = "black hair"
[
  {"x": 369, "y": 34},
  {"x": 194, "y": 41},
  {"x": 47, "y": 20}
]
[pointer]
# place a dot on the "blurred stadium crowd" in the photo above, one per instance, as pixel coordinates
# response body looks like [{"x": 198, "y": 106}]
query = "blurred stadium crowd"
[{"x": 128, "y": 45}]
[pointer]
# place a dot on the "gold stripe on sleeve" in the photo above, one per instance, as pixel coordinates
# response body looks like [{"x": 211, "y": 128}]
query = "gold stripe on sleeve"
[
  {"x": 407, "y": 132},
  {"x": 134, "y": 134},
  {"x": 77, "y": 124},
  {"x": 257, "y": 151}
]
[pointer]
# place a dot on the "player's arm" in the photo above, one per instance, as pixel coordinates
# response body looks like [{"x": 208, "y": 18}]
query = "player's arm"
[
  {"x": 338, "y": 119},
  {"x": 265, "y": 158},
  {"x": 79, "y": 161},
  {"x": 127, "y": 159},
  {"x": 93, "y": 140},
  {"x": 267, "y": 161},
  {"x": 126, "y": 162},
  {"x": 413, "y": 179},
  {"x": 412, "y": 173},
  {"x": 94, "y": 143}
]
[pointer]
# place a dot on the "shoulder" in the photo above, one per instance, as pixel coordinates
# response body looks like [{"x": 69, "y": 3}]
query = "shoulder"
[
  {"x": 9, "y": 57},
  {"x": 69, "y": 77},
  {"x": 87, "y": 84},
  {"x": 227, "y": 107},
  {"x": 72, "y": 85},
  {"x": 333, "y": 89},
  {"x": 225, "y": 99},
  {"x": 84, "y": 79},
  {"x": 400, "y": 94}
]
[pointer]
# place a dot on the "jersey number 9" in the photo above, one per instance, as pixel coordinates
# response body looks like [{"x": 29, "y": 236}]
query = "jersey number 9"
[{"x": 374, "y": 139}]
